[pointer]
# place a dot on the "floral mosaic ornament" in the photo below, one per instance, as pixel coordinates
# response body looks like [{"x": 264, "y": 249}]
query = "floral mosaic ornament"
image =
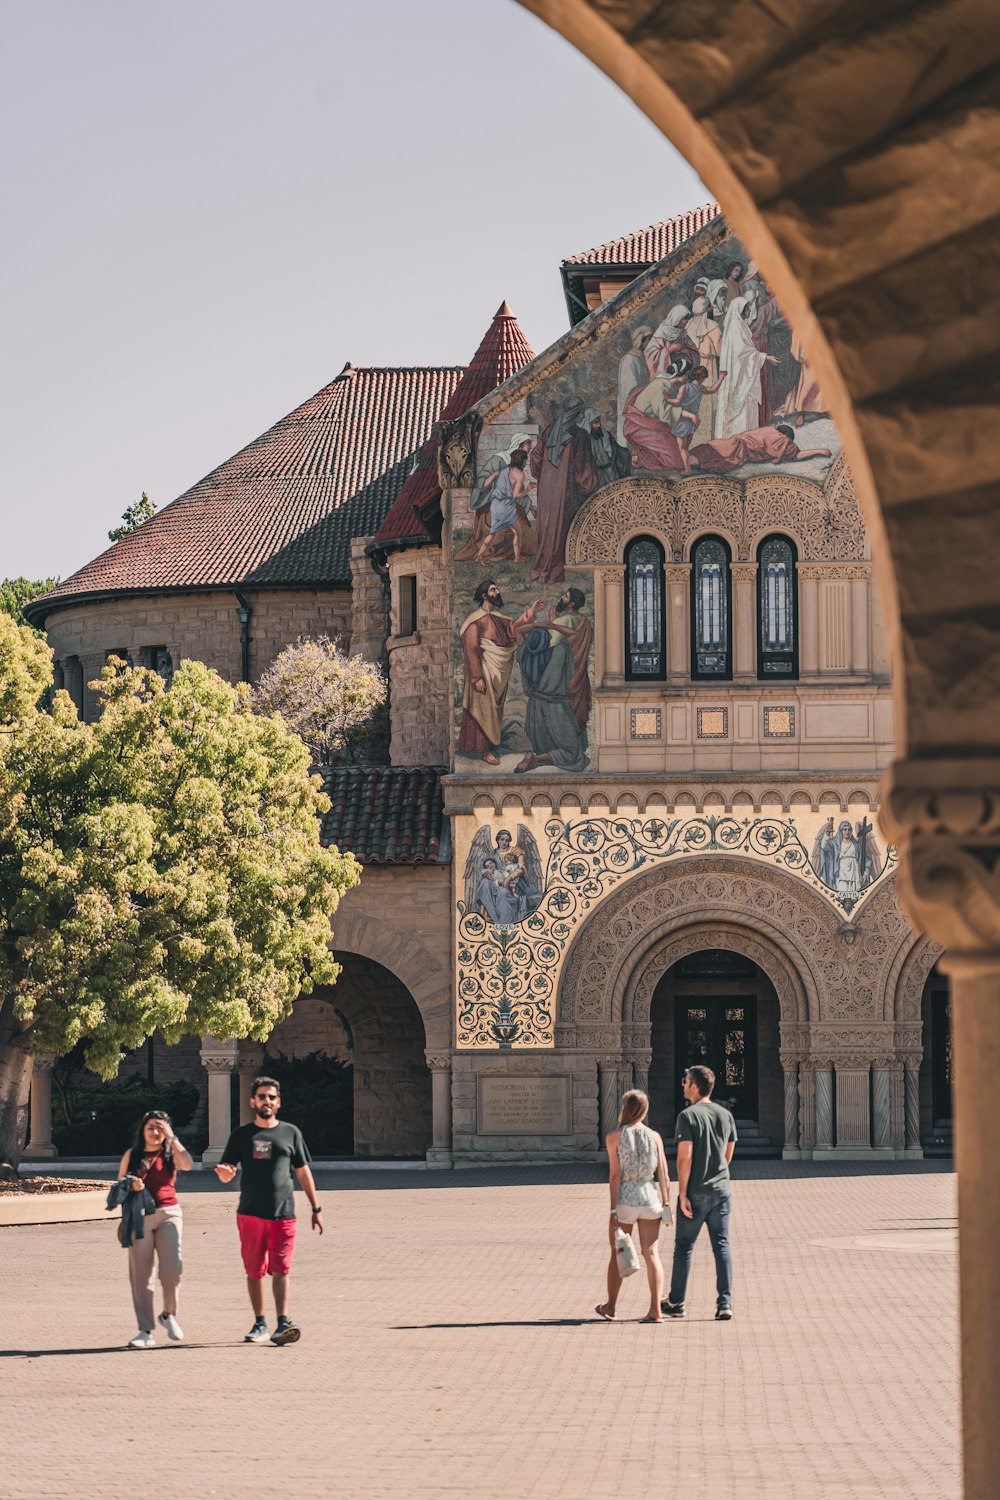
[{"x": 508, "y": 974}]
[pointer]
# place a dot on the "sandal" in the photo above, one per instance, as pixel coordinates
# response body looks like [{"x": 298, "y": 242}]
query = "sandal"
[{"x": 602, "y": 1313}]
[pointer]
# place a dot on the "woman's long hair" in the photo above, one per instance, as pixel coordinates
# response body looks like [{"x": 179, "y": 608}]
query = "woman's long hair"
[
  {"x": 139, "y": 1144},
  {"x": 635, "y": 1107}
]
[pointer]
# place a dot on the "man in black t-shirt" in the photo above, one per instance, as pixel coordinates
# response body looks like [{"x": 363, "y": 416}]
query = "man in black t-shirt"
[
  {"x": 706, "y": 1140},
  {"x": 269, "y": 1153}
]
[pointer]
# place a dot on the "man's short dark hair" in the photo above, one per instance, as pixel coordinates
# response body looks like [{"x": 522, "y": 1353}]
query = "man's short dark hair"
[
  {"x": 265, "y": 1083},
  {"x": 482, "y": 590},
  {"x": 576, "y": 597},
  {"x": 702, "y": 1078},
  {"x": 785, "y": 430}
]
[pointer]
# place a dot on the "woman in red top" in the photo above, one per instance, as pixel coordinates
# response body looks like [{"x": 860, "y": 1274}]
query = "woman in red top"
[{"x": 152, "y": 1163}]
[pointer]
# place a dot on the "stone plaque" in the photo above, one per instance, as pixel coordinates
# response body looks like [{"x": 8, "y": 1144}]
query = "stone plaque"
[{"x": 524, "y": 1104}]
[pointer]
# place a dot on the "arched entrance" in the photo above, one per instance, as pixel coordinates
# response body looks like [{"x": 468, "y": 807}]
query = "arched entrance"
[
  {"x": 936, "y": 1067},
  {"x": 719, "y": 1008},
  {"x": 368, "y": 1027}
]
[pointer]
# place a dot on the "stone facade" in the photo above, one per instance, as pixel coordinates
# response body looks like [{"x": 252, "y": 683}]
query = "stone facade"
[{"x": 420, "y": 662}]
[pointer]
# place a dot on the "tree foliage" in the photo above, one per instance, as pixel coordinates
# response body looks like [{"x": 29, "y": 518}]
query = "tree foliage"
[
  {"x": 160, "y": 867},
  {"x": 133, "y": 516},
  {"x": 15, "y": 593},
  {"x": 333, "y": 701}
]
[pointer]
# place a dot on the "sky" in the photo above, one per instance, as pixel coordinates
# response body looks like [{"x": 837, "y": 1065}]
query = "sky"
[{"x": 212, "y": 205}]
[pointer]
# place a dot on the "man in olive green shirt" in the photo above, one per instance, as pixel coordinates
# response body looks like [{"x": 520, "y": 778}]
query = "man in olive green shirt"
[{"x": 706, "y": 1140}]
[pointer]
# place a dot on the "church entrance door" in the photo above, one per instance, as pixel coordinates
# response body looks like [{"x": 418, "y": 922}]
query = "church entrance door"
[{"x": 720, "y": 1032}]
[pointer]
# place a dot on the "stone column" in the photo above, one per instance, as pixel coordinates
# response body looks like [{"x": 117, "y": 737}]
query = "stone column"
[
  {"x": 609, "y": 1095},
  {"x": 898, "y": 1109},
  {"x": 824, "y": 1107},
  {"x": 439, "y": 1153},
  {"x": 854, "y": 1125},
  {"x": 807, "y": 1108},
  {"x": 678, "y": 584},
  {"x": 882, "y": 1106},
  {"x": 92, "y": 666},
  {"x": 744, "y": 620},
  {"x": 614, "y": 631},
  {"x": 860, "y": 643},
  {"x": 641, "y": 1064},
  {"x": 250, "y": 1062},
  {"x": 219, "y": 1061},
  {"x": 40, "y": 1129},
  {"x": 944, "y": 818},
  {"x": 809, "y": 621},
  {"x": 911, "y": 1107},
  {"x": 793, "y": 1140}
]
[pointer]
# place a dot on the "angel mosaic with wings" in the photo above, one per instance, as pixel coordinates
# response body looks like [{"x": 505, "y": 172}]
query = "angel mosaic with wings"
[{"x": 503, "y": 882}]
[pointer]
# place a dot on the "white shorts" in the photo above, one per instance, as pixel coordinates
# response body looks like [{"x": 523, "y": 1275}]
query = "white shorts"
[{"x": 627, "y": 1214}]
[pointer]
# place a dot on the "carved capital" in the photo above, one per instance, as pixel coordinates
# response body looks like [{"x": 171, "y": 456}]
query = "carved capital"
[
  {"x": 613, "y": 575},
  {"x": 218, "y": 1056},
  {"x": 43, "y": 1062},
  {"x": 456, "y": 458},
  {"x": 251, "y": 1060},
  {"x": 944, "y": 816},
  {"x": 439, "y": 1062},
  {"x": 677, "y": 572},
  {"x": 744, "y": 572}
]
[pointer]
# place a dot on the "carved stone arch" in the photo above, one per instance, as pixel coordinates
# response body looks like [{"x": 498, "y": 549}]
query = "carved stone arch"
[
  {"x": 825, "y": 524},
  {"x": 614, "y": 941},
  {"x": 731, "y": 936},
  {"x": 910, "y": 977},
  {"x": 716, "y": 528},
  {"x": 426, "y": 979},
  {"x": 621, "y": 510}
]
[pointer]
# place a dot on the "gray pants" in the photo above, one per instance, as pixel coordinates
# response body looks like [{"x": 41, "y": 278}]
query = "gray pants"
[{"x": 163, "y": 1234}]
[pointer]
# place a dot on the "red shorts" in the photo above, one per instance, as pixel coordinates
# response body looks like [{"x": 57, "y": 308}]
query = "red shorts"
[{"x": 267, "y": 1245}]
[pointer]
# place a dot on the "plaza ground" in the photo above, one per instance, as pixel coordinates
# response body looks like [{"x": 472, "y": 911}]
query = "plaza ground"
[{"x": 450, "y": 1349}]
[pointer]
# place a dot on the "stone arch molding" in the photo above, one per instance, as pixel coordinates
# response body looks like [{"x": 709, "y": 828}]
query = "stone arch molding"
[
  {"x": 793, "y": 1000},
  {"x": 789, "y": 926},
  {"x": 408, "y": 960},
  {"x": 825, "y": 523}
]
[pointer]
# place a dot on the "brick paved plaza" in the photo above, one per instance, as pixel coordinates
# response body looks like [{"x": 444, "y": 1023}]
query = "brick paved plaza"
[{"x": 450, "y": 1349}]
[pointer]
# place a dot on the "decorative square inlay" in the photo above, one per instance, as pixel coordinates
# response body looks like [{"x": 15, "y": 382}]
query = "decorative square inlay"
[
  {"x": 646, "y": 724},
  {"x": 713, "y": 723},
  {"x": 779, "y": 723}
]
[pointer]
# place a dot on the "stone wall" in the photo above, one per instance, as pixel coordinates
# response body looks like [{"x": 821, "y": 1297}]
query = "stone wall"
[
  {"x": 420, "y": 670},
  {"x": 200, "y": 626}
]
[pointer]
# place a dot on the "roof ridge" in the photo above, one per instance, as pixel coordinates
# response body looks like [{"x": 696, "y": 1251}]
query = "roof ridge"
[{"x": 703, "y": 212}]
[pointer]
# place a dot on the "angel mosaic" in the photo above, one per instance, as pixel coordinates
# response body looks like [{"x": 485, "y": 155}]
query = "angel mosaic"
[
  {"x": 503, "y": 882},
  {"x": 847, "y": 859}
]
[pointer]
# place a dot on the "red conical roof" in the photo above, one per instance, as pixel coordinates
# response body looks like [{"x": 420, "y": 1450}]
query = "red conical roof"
[{"x": 503, "y": 351}]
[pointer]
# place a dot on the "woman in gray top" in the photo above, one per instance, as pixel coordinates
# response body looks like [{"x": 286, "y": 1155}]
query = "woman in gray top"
[{"x": 636, "y": 1159}]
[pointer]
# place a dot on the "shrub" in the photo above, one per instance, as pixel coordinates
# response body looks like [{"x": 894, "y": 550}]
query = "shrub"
[
  {"x": 103, "y": 1120},
  {"x": 317, "y": 1095}
]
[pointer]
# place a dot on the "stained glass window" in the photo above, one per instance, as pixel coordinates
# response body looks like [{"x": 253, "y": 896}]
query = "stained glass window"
[
  {"x": 710, "y": 608},
  {"x": 776, "y": 608},
  {"x": 644, "y": 613}
]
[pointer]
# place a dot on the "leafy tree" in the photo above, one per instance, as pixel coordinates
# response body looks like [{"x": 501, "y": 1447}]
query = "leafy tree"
[
  {"x": 133, "y": 516},
  {"x": 332, "y": 700},
  {"x": 15, "y": 593},
  {"x": 160, "y": 867}
]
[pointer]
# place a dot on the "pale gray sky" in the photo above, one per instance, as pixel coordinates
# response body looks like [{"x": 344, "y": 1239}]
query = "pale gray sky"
[{"x": 211, "y": 205}]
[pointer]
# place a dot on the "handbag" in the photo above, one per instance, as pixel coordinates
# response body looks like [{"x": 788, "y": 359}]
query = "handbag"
[
  {"x": 667, "y": 1216},
  {"x": 628, "y": 1261}
]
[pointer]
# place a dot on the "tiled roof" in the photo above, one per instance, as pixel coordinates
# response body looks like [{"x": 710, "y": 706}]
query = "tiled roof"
[
  {"x": 388, "y": 815},
  {"x": 503, "y": 351},
  {"x": 285, "y": 508},
  {"x": 647, "y": 246}
]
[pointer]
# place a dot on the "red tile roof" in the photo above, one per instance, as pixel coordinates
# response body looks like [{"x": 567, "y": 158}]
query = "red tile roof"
[
  {"x": 388, "y": 815},
  {"x": 283, "y": 511},
  {"x": 647, "y": 246},
  {"x": 503, "y": 351}
]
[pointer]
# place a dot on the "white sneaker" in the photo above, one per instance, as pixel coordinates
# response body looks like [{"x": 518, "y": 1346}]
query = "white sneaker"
[
  {"x": 142, "y": 1340},
  {"x": 173, "y": 1328}
]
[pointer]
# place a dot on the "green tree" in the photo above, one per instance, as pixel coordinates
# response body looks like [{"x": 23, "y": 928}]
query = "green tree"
[
  {"x": 159, "y": 868},
  {"x": 332, "y": 700},
  {"x": 15, "y": 593},
  {"x": 133, "y": 516}
]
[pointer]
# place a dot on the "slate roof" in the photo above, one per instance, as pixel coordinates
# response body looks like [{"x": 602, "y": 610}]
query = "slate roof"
[
  {"x": 503, "y": 351},
  {"x": 284, "y": 509},
  {"x": 388, "y": 815},
  {"x": 646, "y": 246}
]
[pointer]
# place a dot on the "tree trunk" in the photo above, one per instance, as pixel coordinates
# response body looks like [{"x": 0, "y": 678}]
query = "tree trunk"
[{"x": 15, "y": 1084}]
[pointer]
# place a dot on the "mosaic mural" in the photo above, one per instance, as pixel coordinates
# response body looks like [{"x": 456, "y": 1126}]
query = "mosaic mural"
[
  {"x": 525, "y": 892},
  {"x": 707, "y": 377}
]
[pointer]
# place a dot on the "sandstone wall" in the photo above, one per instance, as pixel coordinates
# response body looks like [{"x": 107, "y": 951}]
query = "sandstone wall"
[{"x": 420, "y": 668}]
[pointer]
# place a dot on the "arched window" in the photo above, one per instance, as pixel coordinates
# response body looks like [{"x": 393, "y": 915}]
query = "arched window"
[
  {"x": 711, "y": 635},
  {"x": 645, "y": 624},
  {"x": 777, "y": 632}
]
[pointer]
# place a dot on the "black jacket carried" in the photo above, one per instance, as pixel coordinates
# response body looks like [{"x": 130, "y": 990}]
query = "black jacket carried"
[{"x": 135, "y": 1207}]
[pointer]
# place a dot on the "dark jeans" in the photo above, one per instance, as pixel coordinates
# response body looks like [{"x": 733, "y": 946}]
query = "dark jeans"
[{"x": 713, "y": 1208}]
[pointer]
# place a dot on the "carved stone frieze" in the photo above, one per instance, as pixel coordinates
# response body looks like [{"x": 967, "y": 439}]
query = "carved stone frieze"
[
  {"x": 438, "y": 1062},
  {"x": 825, "y": 522}
]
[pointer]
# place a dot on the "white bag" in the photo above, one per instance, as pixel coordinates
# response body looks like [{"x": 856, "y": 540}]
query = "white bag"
[
  {"x": 628, "y": 1261},
  {"x": 666, "y": 1216}
]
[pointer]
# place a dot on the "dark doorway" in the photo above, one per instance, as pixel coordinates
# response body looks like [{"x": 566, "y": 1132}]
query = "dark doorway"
[
  {"x": 718, "y": 1008},
  {"x": 936, "y": 1068},
  {"x": 720, "y": 1031}
]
